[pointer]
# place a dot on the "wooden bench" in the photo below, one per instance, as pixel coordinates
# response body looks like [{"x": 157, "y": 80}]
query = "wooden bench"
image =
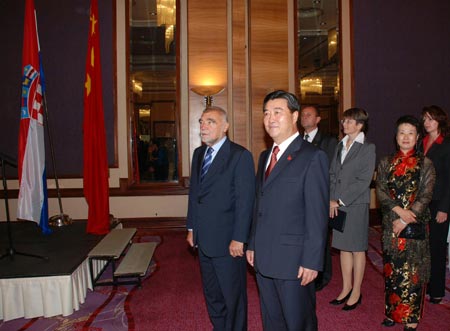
[
  {"x": 135, "y": 262},
  {"x": 110, "y": 249}
]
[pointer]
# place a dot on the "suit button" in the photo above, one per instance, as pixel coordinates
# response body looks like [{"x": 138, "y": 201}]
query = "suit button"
[
  {"x": 339, "y": 181},
  {"x": 200, "y": 201},
  {"x": 260, "y": 214}
]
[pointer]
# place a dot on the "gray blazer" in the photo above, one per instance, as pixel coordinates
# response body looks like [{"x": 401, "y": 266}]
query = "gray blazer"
[{"x": 350, "y": 181}]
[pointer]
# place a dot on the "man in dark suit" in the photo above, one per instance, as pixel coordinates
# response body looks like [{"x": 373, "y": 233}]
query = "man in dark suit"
[
  {"x": 221, "y": 196},
  {"x": 310, "y": 119},
  {"x": 288, "y": 234}
]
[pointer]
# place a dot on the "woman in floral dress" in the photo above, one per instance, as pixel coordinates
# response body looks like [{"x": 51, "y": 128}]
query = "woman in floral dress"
[{"x": 405, "y": 184}]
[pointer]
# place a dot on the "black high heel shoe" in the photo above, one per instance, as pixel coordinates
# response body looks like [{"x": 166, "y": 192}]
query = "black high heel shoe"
[
  {"x": 337, "y": 302},
  {"x": 351, "y": 307},
  {"x": 435, "y": 301},
  {"x": 388, "y": 322}
]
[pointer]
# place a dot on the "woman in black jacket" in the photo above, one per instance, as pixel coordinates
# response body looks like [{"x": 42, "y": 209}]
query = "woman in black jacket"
[{"x": 436, "y": 146}]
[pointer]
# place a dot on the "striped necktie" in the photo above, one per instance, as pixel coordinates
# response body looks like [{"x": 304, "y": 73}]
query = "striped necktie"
[{"x": 206, "y": 162}]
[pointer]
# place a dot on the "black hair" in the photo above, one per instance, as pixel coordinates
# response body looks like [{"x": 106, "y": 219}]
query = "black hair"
[
  {"x": 292, "y": 101},
  {"x": 408, "y": 119}
]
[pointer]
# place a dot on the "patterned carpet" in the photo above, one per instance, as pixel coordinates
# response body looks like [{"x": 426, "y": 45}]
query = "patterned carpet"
[
  {"x": 105, "y": 309},
  {"x": 129, "y": 308}
]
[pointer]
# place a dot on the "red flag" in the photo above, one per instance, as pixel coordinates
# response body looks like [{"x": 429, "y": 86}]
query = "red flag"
[{"x": 95, "y": 181}]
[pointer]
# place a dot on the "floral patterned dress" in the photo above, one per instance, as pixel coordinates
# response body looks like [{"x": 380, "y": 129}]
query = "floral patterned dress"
[{"x": 405, "y": 180}]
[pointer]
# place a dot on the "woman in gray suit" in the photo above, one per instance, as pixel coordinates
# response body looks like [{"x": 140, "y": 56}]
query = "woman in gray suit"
[{"x": 351, "y": 172}]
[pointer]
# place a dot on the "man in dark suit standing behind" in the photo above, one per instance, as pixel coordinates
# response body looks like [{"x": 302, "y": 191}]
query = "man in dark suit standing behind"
[
  {"x": 287, "y": 240},
  {"x": 221, "y": 196},
  {"x": 310, "y": 119}
]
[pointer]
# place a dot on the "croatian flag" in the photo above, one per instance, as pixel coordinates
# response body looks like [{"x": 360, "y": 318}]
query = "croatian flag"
[{"x": 32, "y": 202}]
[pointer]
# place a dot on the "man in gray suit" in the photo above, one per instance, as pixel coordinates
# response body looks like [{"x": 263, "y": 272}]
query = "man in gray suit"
[{"x": 310, "y": 119}]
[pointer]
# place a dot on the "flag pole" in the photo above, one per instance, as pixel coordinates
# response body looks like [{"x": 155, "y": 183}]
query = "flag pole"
[
  {"x": 11, "y": 251},
  {"x": 61, "y": 219}
]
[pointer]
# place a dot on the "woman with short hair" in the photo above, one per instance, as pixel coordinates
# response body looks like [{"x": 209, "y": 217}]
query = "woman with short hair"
[{"x": 351, "y": 173}]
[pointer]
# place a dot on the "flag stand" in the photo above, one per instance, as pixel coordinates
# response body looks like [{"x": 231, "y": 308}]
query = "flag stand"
[
  {"x": 10, "y": 251},
  {"x": 61, "y": 219}
]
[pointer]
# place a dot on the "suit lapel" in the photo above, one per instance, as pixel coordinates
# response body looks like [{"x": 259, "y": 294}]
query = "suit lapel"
[
  {"x": 262, "y": 165},
  {"x": 200, "y": 158},
  {"x": 353, "y": 152},
  {"x": 219, "y": 161},
  {"x": 289, "y": 154},
  {"x": 317, "y": 139},
  {"x": 432, "y": 148},
  {"x": 339, "y": 152}
]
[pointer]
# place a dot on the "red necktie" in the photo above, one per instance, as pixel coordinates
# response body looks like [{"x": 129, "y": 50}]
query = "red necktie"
[{"x": 273, "y": 161}]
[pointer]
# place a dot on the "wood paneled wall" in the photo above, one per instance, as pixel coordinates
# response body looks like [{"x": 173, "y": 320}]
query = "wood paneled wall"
[
  {"x": 239, "y": 87},
  {"x": 269, "y": 65},
  {"x": 242, "y": 45},
  {"x": 207, "y": 57}
]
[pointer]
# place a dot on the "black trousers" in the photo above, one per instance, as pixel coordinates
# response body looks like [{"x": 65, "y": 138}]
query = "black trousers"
[
  {"x": 438, "y": 252},
  {"x": 286, "y": 305}
]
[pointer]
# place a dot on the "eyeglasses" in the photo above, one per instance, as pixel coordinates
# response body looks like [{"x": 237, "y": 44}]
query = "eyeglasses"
[{"x": 348, "y": 120}]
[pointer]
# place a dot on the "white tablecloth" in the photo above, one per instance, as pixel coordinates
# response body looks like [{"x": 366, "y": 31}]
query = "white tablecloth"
[{"x": 46, "y": 296}]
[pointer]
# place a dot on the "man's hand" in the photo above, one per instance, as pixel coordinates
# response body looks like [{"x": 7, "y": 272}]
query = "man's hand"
[
  {"x": 250, "y": 257},
  {"x": 190, "y": 238},
  {"x": 307, "y": 275},
  {"x": 236, "y": 248}
]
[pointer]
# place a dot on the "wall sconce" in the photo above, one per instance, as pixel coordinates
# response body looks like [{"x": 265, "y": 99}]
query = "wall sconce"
[
  {"x": 137, "y": 87},
  {"x": 207, "y": 92}
]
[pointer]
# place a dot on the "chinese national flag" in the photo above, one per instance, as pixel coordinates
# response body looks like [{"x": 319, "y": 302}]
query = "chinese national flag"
[{"x": 95, "y": 181}]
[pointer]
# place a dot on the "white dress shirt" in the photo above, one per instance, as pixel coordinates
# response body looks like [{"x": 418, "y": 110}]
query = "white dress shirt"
[
  {"x": 283, "y": 146},
  {"x": 359, "y": 138}
]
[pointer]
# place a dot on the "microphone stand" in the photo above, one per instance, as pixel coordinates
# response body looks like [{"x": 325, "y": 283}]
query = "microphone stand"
[{"x": 10, "y": 251}]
